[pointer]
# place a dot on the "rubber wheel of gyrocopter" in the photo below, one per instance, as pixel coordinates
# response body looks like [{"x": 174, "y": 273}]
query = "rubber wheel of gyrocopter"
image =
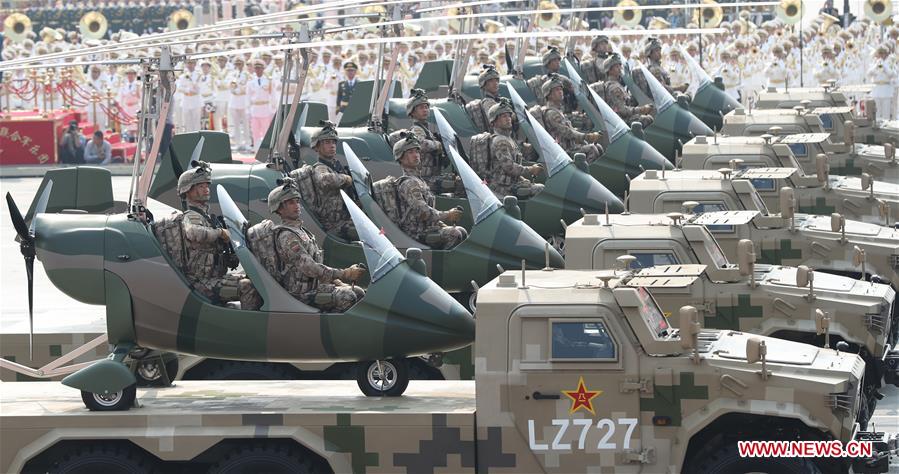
[
  {"x": 392, "y": 384},
  {"x": 268, "y": 458},
  {"x": 149, "y": 373},
  {"x": 116, "y": 401},
  {"x": 102, "y": 458},
  {"x": 726, "y": 460}
]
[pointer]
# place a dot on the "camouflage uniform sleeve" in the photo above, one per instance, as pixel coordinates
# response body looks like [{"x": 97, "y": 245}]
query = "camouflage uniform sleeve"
[
  {"x": 417, "y": 204},
  {"x": 618, "y": 101},
  {"x": 292, "y": 247},
  {"x": 556, "y": 121},
  {"x": 427, "y": 145},
  {"x": 197, "y": 230},
  {"x": 504, "y": 151},
  {"x": 326, "y": 178}
]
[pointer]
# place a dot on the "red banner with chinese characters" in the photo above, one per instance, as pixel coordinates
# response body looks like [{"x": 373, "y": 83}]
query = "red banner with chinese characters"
[{"x": 32, "y": 140}]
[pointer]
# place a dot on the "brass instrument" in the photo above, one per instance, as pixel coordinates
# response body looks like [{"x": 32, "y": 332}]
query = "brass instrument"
[
  {"x": 49, "y": 35},
  {"x": 626, "y": 16},
  {"x": 93, "y": 25},
  {"x": 878, "y": 11},
  {"x": 493, "y": 26},
  {"x": 16, "y": 27},
  {"x": 712, "y": 14},
  {"x": 829, "y": 24},
  {"x": 657, "y": 23},
  {"x": 181, "y": 20},
  {"x": 790, "y": 11},
  {"x": 378, "y": 10},
  {"x": 548, "y": 19}
]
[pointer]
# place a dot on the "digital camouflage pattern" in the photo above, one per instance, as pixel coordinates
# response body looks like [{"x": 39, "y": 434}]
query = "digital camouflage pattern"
[
  {"x": 431, "y": 151},
  {"x": 620, "y": 100},
  {"x": 497, "y": 159},
  {"x": 572, "y": 140},
  {"x": 420, "y": 220},
  {"x": 328, "y": 178}
]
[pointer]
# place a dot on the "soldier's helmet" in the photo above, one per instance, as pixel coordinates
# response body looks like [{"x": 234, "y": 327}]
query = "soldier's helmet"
[
  {"x": 610, "y": 61},
  {"x": 504, "y": 106},
  {"x": 286, "y": 191},
  {"x": 200, "y": 174},
  {"x": 407, "y": 142},
  {"x": 551, "y": 83},
  {"x": 598, "y": 41},
  {"x": 651, "y": 45},
  {"x": 327, "y": 132},
  {"x": 551, "y": 53},
  {"x": 417, "y": 97},
  {"x": 489, "y": 72}
]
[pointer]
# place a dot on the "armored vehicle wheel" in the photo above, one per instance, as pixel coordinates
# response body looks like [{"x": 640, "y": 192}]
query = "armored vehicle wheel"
[
  {"x": 149, "y": 372},
  {"x": 102, "y": 458},
  {"x": 116, "y": 401},
  {"x": 725, "y": 460},
  {"x": 386, "y": 378},
  {"x": 268, "y": 458}
]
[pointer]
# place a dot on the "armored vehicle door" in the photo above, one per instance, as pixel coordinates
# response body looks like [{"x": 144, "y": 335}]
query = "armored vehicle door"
[{"x": 574, "y": 386}]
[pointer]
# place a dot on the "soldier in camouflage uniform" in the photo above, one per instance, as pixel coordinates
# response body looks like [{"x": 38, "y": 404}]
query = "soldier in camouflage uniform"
[
  {"x": 552, "y": 63},
  {"x": 502, "y": 168},
  {"x": 560, "y": 128},
  {"x": 329, "y": 176},
  {"x": 488, "y": 81},
  {"x": 296, "y": 259},
  {"x": 419, "y": 109},
  {"x": 592, "y": 66},
  {"x": 653, "y": 54},
  {"x": 420, "y": 220},
  {"x": 206, "y": 245},
  {"x": 617, "y": 96}
]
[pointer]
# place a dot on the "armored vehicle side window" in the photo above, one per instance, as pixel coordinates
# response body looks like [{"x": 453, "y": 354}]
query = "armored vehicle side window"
[
  {"x": 764, "y": 184},
  {"x": 652, "y": 315},
  {"x": 582, "y": 340},
  {"x": 759, "y": 203},
  {"x": 714, "y": 249},
  {"x": 704, "y": 207},
  {"x": 826, "y": 121},
  {"x": 652, "y": 258},
  {"x": 799, "y": 149}
]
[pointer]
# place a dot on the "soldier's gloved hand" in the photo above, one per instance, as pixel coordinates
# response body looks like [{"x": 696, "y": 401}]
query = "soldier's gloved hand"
[
  {"x": 592, "y": 137},
  {"x": 535, "y": 169},
  {"x": 646, "y": 109},
  {"x": 354, "y": 272},
  {"x": 225, "y": 235},
  {"x": 347, "y": 180},
  {"x": 454, "y": 214}
]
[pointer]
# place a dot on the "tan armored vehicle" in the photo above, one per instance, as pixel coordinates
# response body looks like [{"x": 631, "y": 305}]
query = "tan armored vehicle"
[
  {"x": 680, "y": 262},
  {"x": 580, "y": 372},
  {"x": 869, "y": 130},
  {"x": 802, "y": 150},
  {"x": 861, "y": 199}
]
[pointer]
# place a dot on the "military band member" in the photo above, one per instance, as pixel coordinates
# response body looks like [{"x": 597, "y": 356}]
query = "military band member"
[
  {"x": 560, "y": 128},
  {"x": 191, "y": 105},
  {"x": 345, "y": 88},
  {"x": 206, "y": 265},
  {"x": 206, "y": 88},
  {"x": 221, "y": 73},
  {"x": 97, "y": 85},
  {"x": 617, "y": 96},
  {"x": 295, "y": 262},
  {"x": 882, "y": 75},
  {"x": 260, "y": 96},
  {"x": 776, "y": 71},
  {"x": 826, "y": 70},
  {"x": 129, "y": 96},
  {"x": 653, "y": 53},
  {"x": 419, "y": 219},
  {"x": 238, "y": 118}
]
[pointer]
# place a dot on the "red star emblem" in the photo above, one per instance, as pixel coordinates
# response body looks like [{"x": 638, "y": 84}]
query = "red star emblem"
[{"x": 581, "y": 398}]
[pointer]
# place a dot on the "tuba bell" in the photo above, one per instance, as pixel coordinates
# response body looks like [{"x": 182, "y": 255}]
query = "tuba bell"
[
  {"x": 790, "y": 11},
  {"x": 378, "y": 10},
  {"x": 181, "y": 20},
  {"x": 709, "y": 15},
  {"x": 878, "y": 11},
  {"x": 93, "y": 25},
  {"x": 625, "y": 16},
  {"x": 492, "y": 26},
  {"x": 16, "y": 27},
  {"x": 548, "y": 19}
]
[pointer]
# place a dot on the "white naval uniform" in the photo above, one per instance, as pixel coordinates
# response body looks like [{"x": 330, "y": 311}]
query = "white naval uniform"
[
  {"x": 191, "y": 104},
  {"x": 128, "y": 97},
  {"x": 259, "y": 93},
  {"x": 206, "y": 85},
  {"x": 99, "y": 86},
  {"x": 882, "y": 76},
  {"x": 238, "y": 113}
]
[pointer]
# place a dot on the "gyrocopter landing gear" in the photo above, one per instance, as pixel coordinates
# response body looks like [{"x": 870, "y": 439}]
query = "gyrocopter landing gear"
[
  {"x": 383, "y": 378},
  {"x": 111, "y": 401}
]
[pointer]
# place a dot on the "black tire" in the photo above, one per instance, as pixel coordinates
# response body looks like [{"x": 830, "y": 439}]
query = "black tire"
[
  {"x": 148, "y": 372},
  {"x": 118, "y": 401},
  {"x": 726, "y": 460},
  {"x": 239, "y": 370},
  {"x": 103, "y": 458},
  {"x": 259, "y": 457},
  {"x": 368, "y": 376}
]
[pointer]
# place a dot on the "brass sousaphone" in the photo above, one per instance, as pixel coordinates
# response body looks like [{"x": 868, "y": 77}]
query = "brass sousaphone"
[
  {"x": 93, "y": 25},
  {"x": 878, "y": 11},
  {"x": 16, "y": 27},
  {"x": 711, "y": 12},
  {"x": 548, "y": 19},
  {"x": 790, "y": 11},
  {"x": 626, "y": 16},
  {"x": 181, "y": 20}
]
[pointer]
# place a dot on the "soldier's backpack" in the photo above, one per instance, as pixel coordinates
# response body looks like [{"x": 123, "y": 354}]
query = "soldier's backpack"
[
  {"x": 306, "y": 185},
  {"x": 479, "y": 155},
  {"x": 395, "y": 136},
  {"x": 537, "y": 112},
  {"x": 261, "y": 241},
  {"x": 170, "y": 234},
  {"x": 386, "y": 194},
  {"x": 478, "y": 115}
]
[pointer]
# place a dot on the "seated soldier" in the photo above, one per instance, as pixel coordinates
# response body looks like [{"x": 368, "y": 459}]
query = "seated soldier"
[
  {"x": 432, "y": 157},
  {"x": 294, "y": 259},
  {"x": 653, "y": 54},
  {"x": 591, "y": 67},
  {"x": 417, "y": 216},
  {"x": 328, "y": 176},
  {"x": 559, "y": 127},
  {"x": 497, "y": 158},
  {"x": 552, "y": 63},
  {"x": 617, "y": 96},
  {"x": 488, "y": 81},
  {"x": 207, "y": 246}
]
